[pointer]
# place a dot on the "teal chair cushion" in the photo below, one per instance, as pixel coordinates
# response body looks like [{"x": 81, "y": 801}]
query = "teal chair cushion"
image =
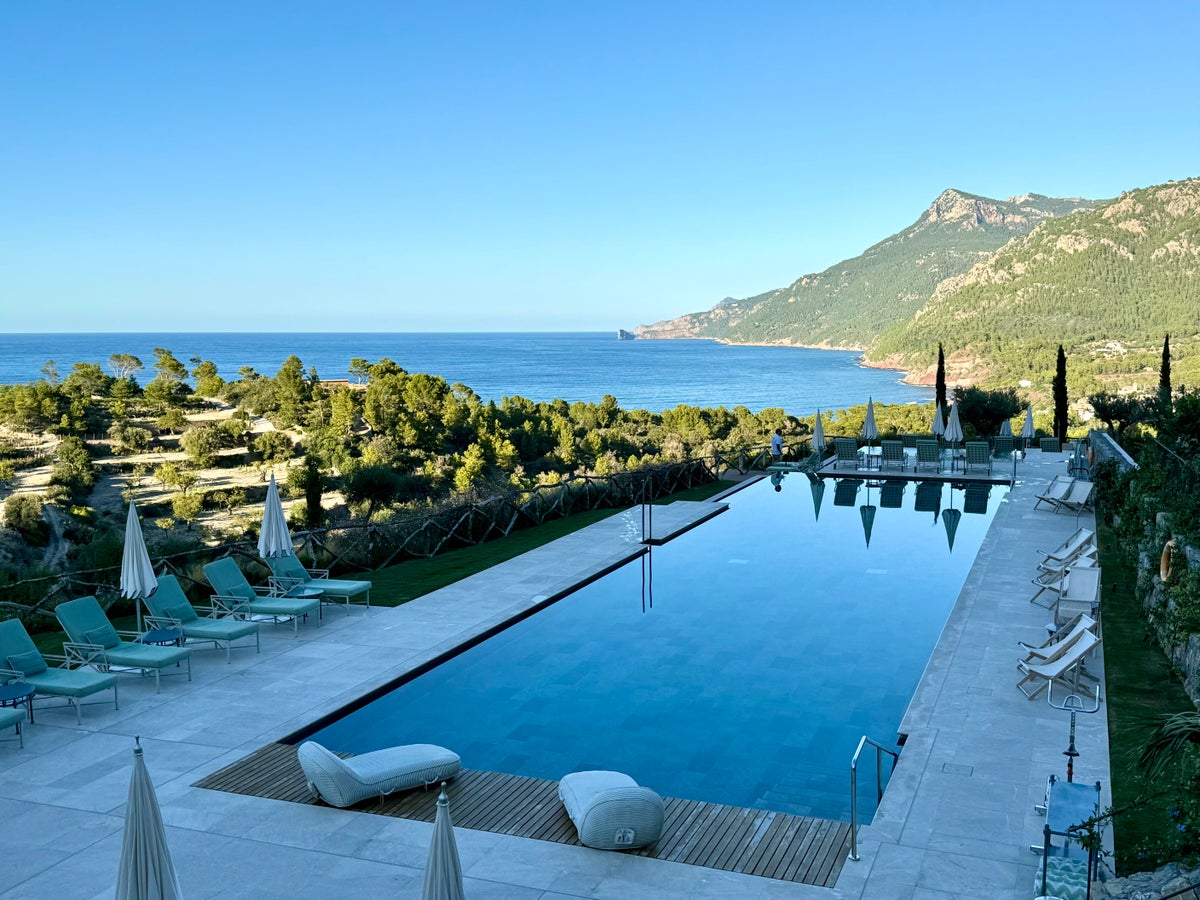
[
  {"x": 181, "y": 612},
  {"x": 104, "y": 635},
  {"x": 30, "y": 663},
  {"x": 71, "y": 682}
]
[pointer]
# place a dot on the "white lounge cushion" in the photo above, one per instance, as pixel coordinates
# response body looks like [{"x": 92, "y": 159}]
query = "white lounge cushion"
[
  {"x": 343, "y": 782},
  {"x": 610, "y": 810}
]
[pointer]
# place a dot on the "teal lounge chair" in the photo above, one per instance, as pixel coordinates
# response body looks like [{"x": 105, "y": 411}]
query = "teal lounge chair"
[
  {"x": 892, "y": 455},
  {"x": 929, "y": 454},
  {"x": 979, "y": 456},
  {"x": 845, "y": 491},
  {"x": 891, "y": 495},
  {"x": 94, "y": 642},
  {"x": 169, "y": 608},
  {"x": 1003, "y": 447},
  {"x": 20, "y": 658},
  {"x": 235, "y": 596},
  {"x": 929, "y": 496},
  {"x": 847, "y": 453},
  {"x": 975, "y": 498},
  {"x": 288, "y": 573}
]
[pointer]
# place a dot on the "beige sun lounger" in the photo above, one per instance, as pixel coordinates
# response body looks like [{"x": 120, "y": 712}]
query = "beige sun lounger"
[
  {"x": 1055, "y": 490},
  {"x": 1080, "y": 594},
  {"x": 1053, "y": 578},
  {"x": 1068, "y": 550},
  {"x": 1077, "y": 499},
  {"x": 1059, "y": 642},
  {"x": 1066, "y": 667}
]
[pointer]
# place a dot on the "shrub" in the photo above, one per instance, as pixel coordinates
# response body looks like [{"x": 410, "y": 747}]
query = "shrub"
[{"x": 23, "y": 514}]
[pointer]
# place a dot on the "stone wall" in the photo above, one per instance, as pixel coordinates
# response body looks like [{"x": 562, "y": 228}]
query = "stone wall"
[
  {"x": 1104, "y": 447},
  {"x": 1147, "y": 885}
]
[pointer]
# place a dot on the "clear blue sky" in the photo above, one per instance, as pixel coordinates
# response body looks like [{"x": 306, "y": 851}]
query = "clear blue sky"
[{"x": 536, "y": 166}]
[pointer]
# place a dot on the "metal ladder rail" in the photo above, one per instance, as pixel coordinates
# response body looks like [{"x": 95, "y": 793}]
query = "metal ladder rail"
[{"x": 879, "y": 751}]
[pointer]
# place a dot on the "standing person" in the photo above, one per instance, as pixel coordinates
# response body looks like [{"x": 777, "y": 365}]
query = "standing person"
[{"x": 777, "y": 445}]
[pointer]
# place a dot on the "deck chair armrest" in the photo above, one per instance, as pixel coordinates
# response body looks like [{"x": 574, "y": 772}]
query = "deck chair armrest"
[
  {"x": 162, "y": 621},
  {"x": 228, "y": 605},
  {"x": 318, "y": 573},
  {"x": 59, "y": 659},
  {"x": 9, "y": 675},
  {"x": 130, "y": 633},
  {"x": 79, "y": 654}
]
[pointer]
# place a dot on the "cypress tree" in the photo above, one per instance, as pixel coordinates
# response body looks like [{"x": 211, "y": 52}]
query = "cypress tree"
[
  {"x": 313, "y": 484},
  {"x": 1164, "y": 378},
  {"x": 939, "y": 391},
  {"x": 1058, "y": 388}
]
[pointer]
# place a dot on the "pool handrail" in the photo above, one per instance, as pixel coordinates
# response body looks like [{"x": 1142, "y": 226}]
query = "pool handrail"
[{"x": 879, "y": 751}]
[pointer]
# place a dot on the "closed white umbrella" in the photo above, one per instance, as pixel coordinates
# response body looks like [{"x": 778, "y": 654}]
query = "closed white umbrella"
[
  {"x": 273, "y": 538},
  {"x": 954, "y": 432},
  {"x": 1006, "y": 428},
  {"x": 137, "y": 572},
  {"x": 939, "y": 421},
  {"x": 867, "y": 511},
  {"x": 443, "y": 872},
  {"x": 1027, "y": 428},
  {"x": 869, "y": 431},
  {"x": 818, "y": 495},
  {"x": 146, "y": 871},
  {"x": 950, "y": 518},
  {"x": 818, "y": 440}
]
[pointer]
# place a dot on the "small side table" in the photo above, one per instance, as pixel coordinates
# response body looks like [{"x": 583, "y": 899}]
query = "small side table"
[
  {"x": 18, "y": 693},
  {"x": 306, "y": 592},
  {"x": 162, "y": 636}
]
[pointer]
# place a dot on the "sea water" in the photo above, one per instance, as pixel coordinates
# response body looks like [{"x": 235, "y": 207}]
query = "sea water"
[{"x": 653, "y": 375}]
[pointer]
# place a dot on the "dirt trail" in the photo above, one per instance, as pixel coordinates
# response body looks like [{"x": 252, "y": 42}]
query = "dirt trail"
[{"x": 56, "y": 550}]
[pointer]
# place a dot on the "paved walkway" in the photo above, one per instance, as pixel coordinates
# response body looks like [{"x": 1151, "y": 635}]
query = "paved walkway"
[{"x": 954, "y": 823}]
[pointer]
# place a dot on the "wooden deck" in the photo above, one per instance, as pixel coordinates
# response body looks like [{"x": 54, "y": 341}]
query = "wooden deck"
[{"x": 750, "y": 841}]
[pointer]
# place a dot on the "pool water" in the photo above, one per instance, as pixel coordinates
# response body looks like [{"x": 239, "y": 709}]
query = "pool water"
[{"x": 740, "y": 663}]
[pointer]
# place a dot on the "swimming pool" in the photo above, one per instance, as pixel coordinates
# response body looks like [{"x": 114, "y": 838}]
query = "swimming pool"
[{"x": 773, "y": 638}]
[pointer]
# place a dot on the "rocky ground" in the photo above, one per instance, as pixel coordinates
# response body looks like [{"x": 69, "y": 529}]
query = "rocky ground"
[{"x": 235, "y": 470}]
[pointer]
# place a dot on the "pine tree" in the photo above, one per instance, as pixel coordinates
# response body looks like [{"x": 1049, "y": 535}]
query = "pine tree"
[
  {"x": 1058, "y": 388},
  {"x": 939, "y": 392}
]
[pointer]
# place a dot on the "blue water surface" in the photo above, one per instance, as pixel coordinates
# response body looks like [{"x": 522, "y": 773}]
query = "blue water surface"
[
  {"x": 741, "y": 669},
  {"x": 652, "y": 375}
]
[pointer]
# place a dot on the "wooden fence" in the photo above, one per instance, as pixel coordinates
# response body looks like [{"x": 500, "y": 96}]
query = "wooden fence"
[{"x": 371, "y": 546}]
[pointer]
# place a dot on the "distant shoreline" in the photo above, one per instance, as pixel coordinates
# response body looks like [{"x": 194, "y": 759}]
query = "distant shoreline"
[{"x": 907, "y": 377}]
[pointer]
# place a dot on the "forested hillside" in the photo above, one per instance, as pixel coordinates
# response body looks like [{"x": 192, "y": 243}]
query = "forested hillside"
[
  {"x": 1107, "y": 284},
  {"x": 849, "y": 304}
]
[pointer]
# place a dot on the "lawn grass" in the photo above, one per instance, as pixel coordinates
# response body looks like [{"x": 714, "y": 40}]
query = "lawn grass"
[
  {"x": 416, "y": 577},
  {"x": 1142, "y": 686},
  {"x": 405, "y": 581}
]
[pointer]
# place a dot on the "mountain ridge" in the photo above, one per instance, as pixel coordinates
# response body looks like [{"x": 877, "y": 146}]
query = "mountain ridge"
[
  {"x": 848, "y": 304},
  {"x": 1106, "y": 283}
]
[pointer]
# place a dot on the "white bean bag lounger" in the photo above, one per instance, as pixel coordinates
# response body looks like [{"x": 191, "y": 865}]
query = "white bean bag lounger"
[
  {"x": 343, "y": 782},
  {"x": 610, "y": 810}
]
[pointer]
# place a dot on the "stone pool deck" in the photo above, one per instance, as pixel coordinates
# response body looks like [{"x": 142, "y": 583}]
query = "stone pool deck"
[{"x": 956, "y": 822}]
